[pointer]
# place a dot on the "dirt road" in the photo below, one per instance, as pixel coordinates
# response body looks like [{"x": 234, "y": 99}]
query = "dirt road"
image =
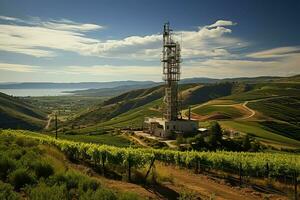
[
  {"x": 252, "y": 112},
  {"x": 139, "y": 141},
  {"x": 208, "y": 187},
  {"x": 49, "y": 121}
]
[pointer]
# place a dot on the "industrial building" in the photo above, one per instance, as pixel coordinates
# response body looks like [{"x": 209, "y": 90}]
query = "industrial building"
[{"x": 172, "y": 121}]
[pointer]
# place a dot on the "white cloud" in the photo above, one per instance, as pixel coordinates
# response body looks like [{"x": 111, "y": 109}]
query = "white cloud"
[
  {"x": 42, "y": 42},
  {"x": 18, "y": 72},
  {"x": 222, "y": 23},
  {"x": 276, "y": 52},
  {"x": 206, "y": 51},
  {"x": 8, "y": 18},
  {"x": 214, "y": 68},
  {"x": 224, "y": 68},
  {"x": 71, "y": 26},
  {"x": 42, "y": 38},
  {"x": 18, "y": 67}
]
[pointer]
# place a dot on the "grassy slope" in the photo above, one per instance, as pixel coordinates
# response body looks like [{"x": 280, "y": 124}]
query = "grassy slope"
[
  {"x": 108, "y": 139},
  {"x": 60, "y": 178},
  {"x": 213, "y": 91},
  {"x": 108, "y": 113},
  {"x": 266, "y": 90},
  {"x": 226, "y": 111},
  {"x": 257, "y": 130},
  {"x": 275, "y": 107},
  {"x": 129, "y": 109},
  {"x": 17, "y": 113},
  {"x": 116, "y": 106},
  {"x": 279, "y": 102},
  {"x": 131, "y": 119}
]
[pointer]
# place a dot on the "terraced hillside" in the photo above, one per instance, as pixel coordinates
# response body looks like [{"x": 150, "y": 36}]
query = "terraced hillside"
[
  {"x": 18, "y": 114},
  {"x": 269, "y": 111}
]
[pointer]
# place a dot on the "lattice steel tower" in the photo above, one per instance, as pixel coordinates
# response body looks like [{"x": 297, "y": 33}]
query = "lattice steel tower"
[{"x": 171, "y": 74}]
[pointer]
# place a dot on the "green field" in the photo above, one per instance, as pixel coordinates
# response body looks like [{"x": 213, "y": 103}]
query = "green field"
[
  {"x": 108, "y": 139},
  {"x": 66, "y": 106},
  {"x": 284, "y": 109},
  {"x": 257, "y": 130},
  {"x": 226, "y": 111}
]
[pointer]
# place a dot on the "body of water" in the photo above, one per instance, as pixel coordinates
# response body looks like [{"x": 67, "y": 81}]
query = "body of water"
[{"x": 37, "y": 92}]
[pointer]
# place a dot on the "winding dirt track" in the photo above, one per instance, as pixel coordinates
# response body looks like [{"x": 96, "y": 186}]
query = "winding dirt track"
[
  {"x": 139, "y": 141},
  {"x": 250, "y": 111},
  {"x": 49, "y": 121}
]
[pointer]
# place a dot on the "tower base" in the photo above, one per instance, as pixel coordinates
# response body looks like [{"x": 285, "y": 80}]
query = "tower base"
[{"x": 163, "y": 128}]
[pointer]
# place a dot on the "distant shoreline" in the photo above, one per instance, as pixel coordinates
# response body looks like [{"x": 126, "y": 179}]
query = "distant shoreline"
[{"x": 35, "y": 92}]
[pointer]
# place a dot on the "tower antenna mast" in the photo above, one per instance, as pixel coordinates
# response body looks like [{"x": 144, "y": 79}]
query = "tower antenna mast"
[{"x": 171, "y": 60}]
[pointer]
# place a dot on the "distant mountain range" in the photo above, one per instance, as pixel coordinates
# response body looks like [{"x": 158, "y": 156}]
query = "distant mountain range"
[
  {"x": 135, "y": 84},
  {"x": 80, "y": 85}
]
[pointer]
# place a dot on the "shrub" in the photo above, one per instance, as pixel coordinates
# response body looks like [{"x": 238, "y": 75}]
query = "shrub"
[
  {"x": 70, "y": 179},
  {"x": 20, "y": 178},
  {"x": 128, "y": 196},
  {"x": 25, "y": 142},
  {"x": 180, "y": 139},
  {"x": 42, "y": 191},
  {"x": 104, "y": 194},
  {"x": 187, "y": 195},
  {"x": 17, "y": 154},
  {"x": 73, "y": 180},
  {"x": 89, "y": 184},
  {"x": 59, "y": 179},
  {"x": 43, "y": 170},
  {"x": 7, "y": 192},
  {"x": 6, "y": 166}
]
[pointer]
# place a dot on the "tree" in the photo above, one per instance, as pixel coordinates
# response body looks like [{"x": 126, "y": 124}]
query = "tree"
[
  {"x": 180, "y": 139},
  {"x": 197, "y": 142},
  {"x": 215, "y": 135},
  {"x": 216, "y": 130},
  {"x": 246, "y": 143}
]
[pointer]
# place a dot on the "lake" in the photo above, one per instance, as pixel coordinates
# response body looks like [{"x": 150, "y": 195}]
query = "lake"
[{"x": 38, "y": 92}]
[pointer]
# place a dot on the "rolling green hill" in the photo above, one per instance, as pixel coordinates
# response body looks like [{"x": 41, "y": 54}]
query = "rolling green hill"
[
  {"x": 230, "y": 102},
  {"x": 18, "y": 114},
  {"x": 264, "y": 107},
  {"x": 130, "y": 108},
  {"x": 269, "y": 111},
  {"x": 116, "y": 106}
]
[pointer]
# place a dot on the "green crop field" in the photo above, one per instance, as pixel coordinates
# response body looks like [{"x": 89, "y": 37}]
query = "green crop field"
[
  {"x": 284, "y": 109},
  {"x": 227, "y": 111},
  {"x": 108, "y": 139},
  {"x": 252, "y": 163},
  {"x": 257, "y": 130}
]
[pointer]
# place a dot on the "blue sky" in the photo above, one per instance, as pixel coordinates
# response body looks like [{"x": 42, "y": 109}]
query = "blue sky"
[{"x": 78, "y": 41}]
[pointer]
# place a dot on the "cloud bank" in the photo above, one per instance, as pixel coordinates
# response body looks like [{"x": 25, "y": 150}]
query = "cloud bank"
[
  {"x": 209, "y": 50},
  {"x": 42, "y": 38}
]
